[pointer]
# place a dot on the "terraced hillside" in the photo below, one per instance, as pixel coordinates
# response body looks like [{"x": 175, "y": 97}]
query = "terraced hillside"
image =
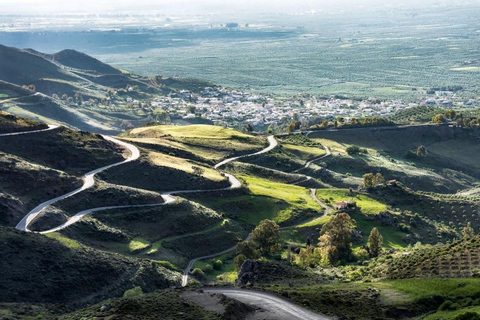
[{"x": 459, "y": 259}]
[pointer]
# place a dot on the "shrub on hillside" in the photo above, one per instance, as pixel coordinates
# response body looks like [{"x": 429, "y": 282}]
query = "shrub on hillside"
[
  {"x": 217, "y": 264},
  {"x": 448, "y": 305},
  {"x": 207, "y": 268},
  {"x": 134, "y": 292},
  {"x": 468, "y": 316},
  {"x": 198, "y": 273},
  {"x": 355, "y": 150}
]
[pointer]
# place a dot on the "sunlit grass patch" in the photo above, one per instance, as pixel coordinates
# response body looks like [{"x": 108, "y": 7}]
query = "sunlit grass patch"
[
  {"x": 304, "y": 152},
  {"x": 317, "y": 222},
  {"x": 367, "y": 204},
  {"x": 193, "y": 131},
  {"x": 66, "y": 241},
  {"x": 157, "y": 244},
  {"x": 184, "y": 165},
  {"x": 138, "y": 244}
]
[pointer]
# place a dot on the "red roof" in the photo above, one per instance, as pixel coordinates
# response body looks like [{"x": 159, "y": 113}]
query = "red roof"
[{"x": 341, "y": 203}]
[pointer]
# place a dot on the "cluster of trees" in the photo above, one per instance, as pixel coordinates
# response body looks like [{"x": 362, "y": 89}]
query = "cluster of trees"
[
  {"x": 468, "y": 123},
  {"x": 265, "y": 241},
  {"x": 420, "y": 153},
  {"x": 444, "y": 88},
  {"x": 335, "y": 245},
  {"x": 78, "y": 99},
  {"x": 29, "y": 87},
  {"x": 458, "y": 119},
  {"x": 370, "y": 180},
  {"x": 355, "y": 150},
  {"x": 200, "y": 273},
  {"x": 292, "y": 126},
  {"x": 340, "y": 122}
]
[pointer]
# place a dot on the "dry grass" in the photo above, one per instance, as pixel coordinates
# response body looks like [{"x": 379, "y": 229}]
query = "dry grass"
[{"x": 184, "y": 165}]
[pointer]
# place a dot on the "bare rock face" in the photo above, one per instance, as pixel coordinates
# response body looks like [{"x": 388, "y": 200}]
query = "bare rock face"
[
  {"x": 249, "y": 272},
  {"x": 50, "y": 218}
]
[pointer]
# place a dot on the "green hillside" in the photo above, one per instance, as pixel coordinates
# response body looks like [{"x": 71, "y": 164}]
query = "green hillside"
[{"x": 47, "y": 271}]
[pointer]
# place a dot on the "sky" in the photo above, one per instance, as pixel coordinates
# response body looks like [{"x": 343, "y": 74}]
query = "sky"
[{"x": 187, "y": 6}]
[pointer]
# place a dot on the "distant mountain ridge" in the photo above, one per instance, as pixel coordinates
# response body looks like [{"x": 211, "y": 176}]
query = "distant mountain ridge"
[
  {"x": 34, "y": 80},
  {"x": 79, "y": 91},
  {"x": 79, "y": 60}
]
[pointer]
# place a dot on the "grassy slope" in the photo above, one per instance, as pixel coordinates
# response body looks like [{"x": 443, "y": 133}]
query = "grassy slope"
[
  {"x": 104, "y": 194},
  {"x": 168, "y": 146},
  {"x": 213, "y": 137},
  {"x": 184, "y": 165},
  {"x": 23, "y": 68},
  {"x": 280, "y": 202},
  {"x": 397, "y": 141},
  {"x": 12, "y": 123},
  {"x": 161, "y": 233},
  {"x": 379, "y": 300},
  {"x": 367, "y": 204},
  {"x": 439, "y": 174},
  {"x": 81, "y": 151},
  {"x": 303, "y": 152},
  {"x": 444, "y": 315},
  {"x": 165, "y": 304},
  {"x": 78, "y": 60},
  {"x": 31, "y": 184},
  {"x": 159, "y": 176},
  {"x": 45, "y": 270}
]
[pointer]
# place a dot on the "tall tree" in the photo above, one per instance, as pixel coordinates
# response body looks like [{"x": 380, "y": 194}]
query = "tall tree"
[
  {"x": 239, "y": 260},
  {"x": 379, "y": 179},
  {"x": 375, "y": 243},
  {"x": 468, "y": 231},
  {"x": 247, "y": 249},
  {"x": 267, "y": 236},
  {"x": 335, "y": 238},
  {"x": 291, "y": 127},
  {"x": 439, "y": 119},
  {"x": 368, "y": 180},
  {"x": 421, "y": 151},
  {"x": 328, "y": 248},
  {"x": 450, "y": 114}
]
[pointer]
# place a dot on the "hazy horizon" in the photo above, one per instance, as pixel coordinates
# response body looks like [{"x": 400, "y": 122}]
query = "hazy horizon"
[{"x": 32, "y": 7}]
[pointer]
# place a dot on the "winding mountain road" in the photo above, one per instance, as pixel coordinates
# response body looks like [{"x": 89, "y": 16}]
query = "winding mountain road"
[
  {"x": 272, "y": 144},
  {"x": 88, "y": 182},
  {"x": 308, "y": 163},
  {"x": 278, "y": 308},
  {"x": 50, "y": 127}
]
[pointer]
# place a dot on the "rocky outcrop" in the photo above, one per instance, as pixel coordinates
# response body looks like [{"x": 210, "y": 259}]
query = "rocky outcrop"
[
  {"x": 271, "y": 271},
  {"x": 249, "y": 272}
]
